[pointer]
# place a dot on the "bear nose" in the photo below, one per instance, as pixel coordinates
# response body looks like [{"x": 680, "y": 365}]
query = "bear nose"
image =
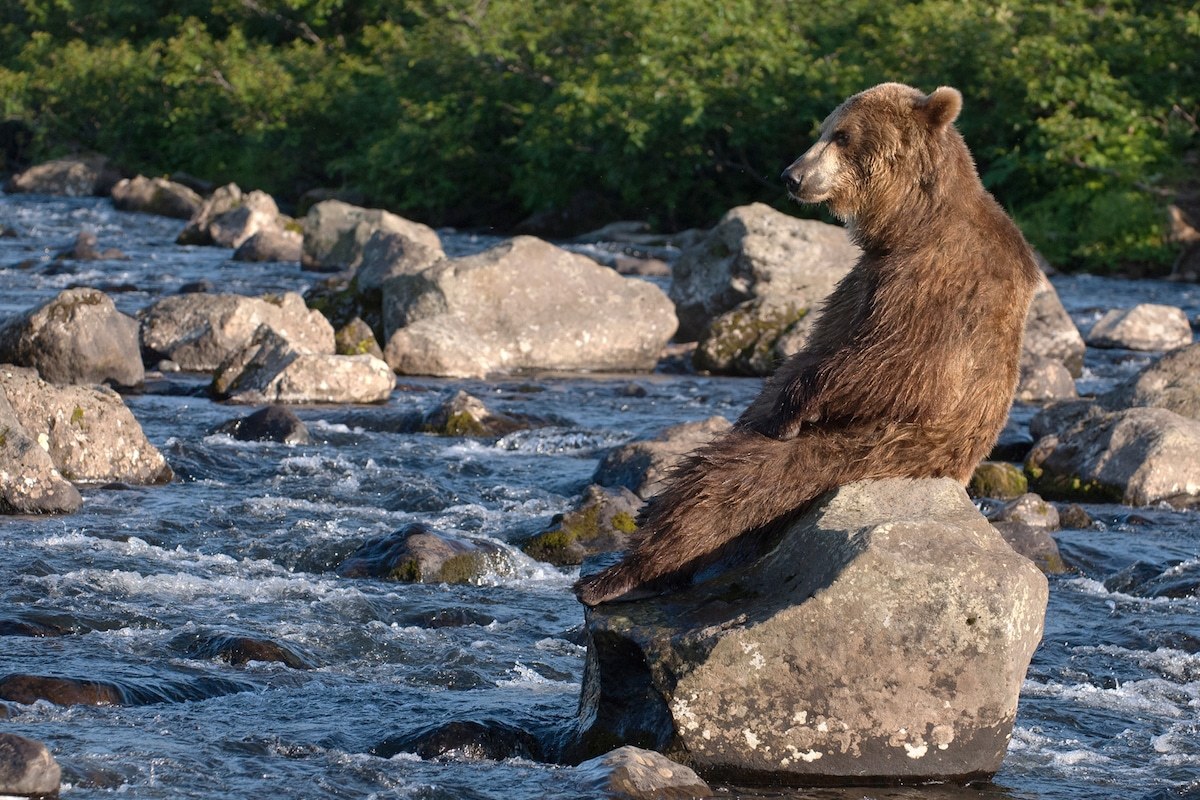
[{"x": 790, "y": 181}]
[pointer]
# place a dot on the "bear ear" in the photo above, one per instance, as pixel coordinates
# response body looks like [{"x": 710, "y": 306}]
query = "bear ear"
[{"x": 941, "y": 107}]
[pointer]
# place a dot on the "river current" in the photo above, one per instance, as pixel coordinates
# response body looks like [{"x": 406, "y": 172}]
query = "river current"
[{"x": 246, "y": 539}]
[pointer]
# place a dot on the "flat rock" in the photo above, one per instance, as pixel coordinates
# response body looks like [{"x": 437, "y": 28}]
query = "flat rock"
[
  {"x": 77, "y": 337},
  {"x": 1050, "y": 333},
  {"x": 642, "y": 466},
  {"x": 156, "y": 196},
  {"x": 89, "y": 433},
  {"x": 1138, "y": 456},
  {"x": 757, "y": 252},
  {"x": 201, "y": 331},
  {"x": 270, "y": 369},
  {"x": 27, "y": 769},
  {"x": 82, "y": 176},
  {"x": 1146, "y": 326},
  {"x": 522, "y": 305},
  {"x": 885, "y": 638}
]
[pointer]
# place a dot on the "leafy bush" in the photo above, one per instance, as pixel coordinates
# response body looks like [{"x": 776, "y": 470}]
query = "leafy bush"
[{"x": 1082, "y": 116}]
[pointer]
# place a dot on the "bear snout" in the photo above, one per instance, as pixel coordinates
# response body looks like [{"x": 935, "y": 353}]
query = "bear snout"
[{"x": 791, "y": 179}]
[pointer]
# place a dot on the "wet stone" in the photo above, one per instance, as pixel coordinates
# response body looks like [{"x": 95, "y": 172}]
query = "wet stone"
[
  {"x": 631, "y": 773},
  {"x": 465, "y": 739},
  {"x": 270, "y": 424},
  {"x": 239, "y": 650},
  {"x": 418, "y": 554}
]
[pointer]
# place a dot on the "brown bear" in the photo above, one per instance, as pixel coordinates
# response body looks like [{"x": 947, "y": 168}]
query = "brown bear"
[{"x": 910, "y": 370}]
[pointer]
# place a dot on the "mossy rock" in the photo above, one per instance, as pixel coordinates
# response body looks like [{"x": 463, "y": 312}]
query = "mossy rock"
[
  {"x": 742, "y": 341},
  {"x": 418, "y": 554},
  {"x": 998, "y": 479},
  {"x": 466, "y": 415},
  {"x": 356, "y": 338},
  {"x": 603, "y": 521}
]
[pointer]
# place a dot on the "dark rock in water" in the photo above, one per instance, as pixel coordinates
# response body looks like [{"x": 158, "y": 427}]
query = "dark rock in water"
[
  {"x": 84, "y": 249},
  {"x": 1073, "y": 515},
  {"x": 631, "y": 773},
  {"x": 447, "y": 618},
  {"x": 468, "y": 739},
  {"x": 602, "y": 521},
  {"x": 466, "y": 415},
  {"x": 25, "y": 688},
  {"x": 270, "y": 424},
  {"x": 641, "y": 466},
  {"x": 27, "y": 768},
  {"x": 196, "y": 287},
  {"x": 239, "y": 650},
  {"x": 77, "y": 337},
  {"x": 1176, "y": 579},
  {"x": 884, "y": 638},
  {"x": 22, "y": 627},
  {"x": 417, "y": 554}
]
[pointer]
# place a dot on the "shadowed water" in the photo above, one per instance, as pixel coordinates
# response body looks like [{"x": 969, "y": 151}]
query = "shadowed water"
[{"x": 245, "y": 543}]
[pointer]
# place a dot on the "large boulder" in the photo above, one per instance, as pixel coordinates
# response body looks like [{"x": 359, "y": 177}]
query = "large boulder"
[
  {"x": 201, "y": 331},
  {"x": 81, "y": 176},
  {"x": 27, "y": 769},
  {"x": 1137, "y": 456},
  {"x": 88, "y": 431},
  {"x": 885, "y": 638},
  {"x": 1050, "y": 333},
  {"x": 1146, "y": 326},
  {"x": 229, "y": 217},
  {"x": 156, "y": 196},
  {"x": 755, "y": 252},
  {"x": 78, "y": 337},
  {"x": 336, "y": 234},
  {"x": 387, "y": 254},
  {"x": 523, "y": 305},
  {"x": 643, "y": 466},
  {"x": 29, "y": 481},
  {"x": 273, "y": 370}
]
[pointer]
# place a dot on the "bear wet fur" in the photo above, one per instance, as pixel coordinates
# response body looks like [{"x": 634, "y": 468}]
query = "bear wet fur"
[{"x": 910, "y": 369}]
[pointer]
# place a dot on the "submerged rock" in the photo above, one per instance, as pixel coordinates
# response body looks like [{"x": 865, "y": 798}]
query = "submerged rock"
[
  {"x": 26, "y": 688},
  {"x": 642, "y": 466},
  {"x": 631, "y": 773},
  {"x": 757, "y": 253},
  {"x": 270, "y": 424},
  {"x": 27, "y": 769},
  {"x": 77, "y": 337},
  {"x": 603, "y": 521},
  {"x": 84, "y": 248},
  {"x": 88, "y": 431},
  {"x": 238, "y": 650},
  {"x": 418, "y": 554},
  {"x": 201, "y": 331},
  {"x": 467, "y": 739},
  {"x": 1138, "y": 456},
  {"x": 466, "y": 415},
  {"x": 1144, "y": 327},
  {"x": 522, "y": 305},
  {"x": 884, "y": 638}
]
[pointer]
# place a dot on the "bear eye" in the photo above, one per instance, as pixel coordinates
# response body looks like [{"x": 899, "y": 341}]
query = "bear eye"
[{"x": 841, "y": 138}]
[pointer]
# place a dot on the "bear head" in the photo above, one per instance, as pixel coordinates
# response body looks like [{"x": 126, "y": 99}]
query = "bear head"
[{"x": 879, "y": 146}]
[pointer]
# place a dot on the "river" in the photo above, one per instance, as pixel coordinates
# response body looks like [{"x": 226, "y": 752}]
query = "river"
[{"x": 246, "y": 539}]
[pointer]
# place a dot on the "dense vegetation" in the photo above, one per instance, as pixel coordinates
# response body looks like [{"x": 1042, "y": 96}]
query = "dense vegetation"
[{"x": 1082, "y": 115}]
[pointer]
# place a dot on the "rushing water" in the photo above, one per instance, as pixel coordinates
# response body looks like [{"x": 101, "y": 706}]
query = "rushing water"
[{"x": 246, "y": 540}]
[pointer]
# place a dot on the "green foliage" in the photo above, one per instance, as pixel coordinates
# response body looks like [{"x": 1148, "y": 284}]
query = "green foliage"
[{"x": 1080, "y": 115}]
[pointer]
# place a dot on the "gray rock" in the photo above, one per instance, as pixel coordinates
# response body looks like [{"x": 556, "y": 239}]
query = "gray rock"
[
  {"x": 29, "y": 481},
  {"x": 201, "y": 331},
  {"x": 1044, "y": 379},
  {"x": 221, "y": 201},
  {"x": 27, "y": 769},
  {"x": 1138, "y": 456},
  {"x": 156, "y": 196},
  {"x": 356, "y": 338},
  {"x": 257, "y": 212},
  {"x": 89, "y": 433},
  {"x": 83, "y": 176},
  {"x": 78, "y": 337},
  {"x": 1034, "y": 543},
  {"x": 418, "y": 554},
  {"x": 1144, "y": 327},
  {"x": 336, "y": 234},
  {"x": 1031, "y": 510},
  {"x": 271, "y": 244},
  {"x": 273, "y": 370},
  {"x": 1050, "y": 333},
  {"x": 387, "y": 254},
  {"x": 1169, "y": 382},
  {"x": 522, "y": 305},
  {"x": 642, "y": 466},
  {"x": 884, "y": 639},
  {"x": 757, "y": 252},
  {"x": 631, "y": 773}
]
